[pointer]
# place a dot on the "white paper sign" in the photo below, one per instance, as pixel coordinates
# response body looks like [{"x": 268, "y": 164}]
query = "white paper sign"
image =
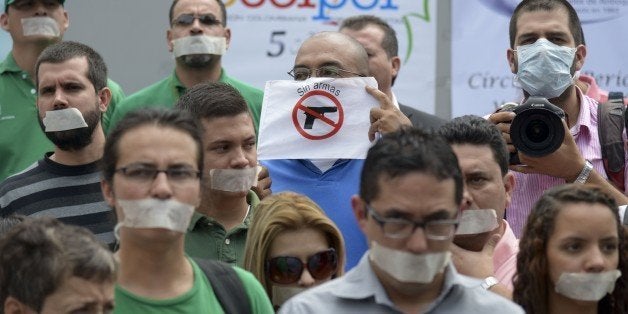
[{"x": 316, "y": 118}]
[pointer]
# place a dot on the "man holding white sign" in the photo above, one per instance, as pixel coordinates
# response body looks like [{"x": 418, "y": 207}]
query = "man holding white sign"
[{"x": 313, "y": 132}]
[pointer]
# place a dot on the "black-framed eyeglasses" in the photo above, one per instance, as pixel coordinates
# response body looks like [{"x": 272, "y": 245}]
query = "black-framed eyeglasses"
[
  {"x": 188, "y": 19},
  {"x": 400, "y": 228},
  {"x": 288, "y": 269},
  {"x": 302, "y": 74},
  {"x": 145, "y": 174}
]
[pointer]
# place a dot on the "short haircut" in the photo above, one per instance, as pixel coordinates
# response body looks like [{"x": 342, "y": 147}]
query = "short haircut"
[
  {"x": 7, "y": 223},
  {"x": 547, "y": 5},
  {"x": 476, "y": 130},
  {"x": 213, "y": 100},
  {"x": 389, "y": 42},
  {"x": 281, "y": 212},
  {"x": 174, "y": 119},
  {"x": 66, "y": 50},
  {"x": 531, "y": 288},
  {"x": 39, "y": 254},
  {"x": 408, "y": 151},
  {"x": 223, "y": 10}
]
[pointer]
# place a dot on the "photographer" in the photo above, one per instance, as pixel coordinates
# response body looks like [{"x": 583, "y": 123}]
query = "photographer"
[{"x": 546, "y": 49}]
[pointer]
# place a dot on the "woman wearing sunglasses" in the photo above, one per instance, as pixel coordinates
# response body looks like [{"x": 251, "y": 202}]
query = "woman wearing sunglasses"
[
  {"x": 292, "y": 245},
  {"x": 573, "y": 255}
]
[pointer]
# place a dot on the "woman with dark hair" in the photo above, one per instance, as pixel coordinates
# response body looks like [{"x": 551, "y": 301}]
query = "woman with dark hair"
[{"x": 573, "y": 256}]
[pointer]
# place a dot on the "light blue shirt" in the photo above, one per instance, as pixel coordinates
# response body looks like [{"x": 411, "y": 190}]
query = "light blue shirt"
[{"x": 360, "y": 291}]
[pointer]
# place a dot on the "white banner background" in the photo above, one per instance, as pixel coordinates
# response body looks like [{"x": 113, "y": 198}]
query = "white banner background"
[
  {"x": 481, "y": 78},
  {"x": 271, "y": 31}
]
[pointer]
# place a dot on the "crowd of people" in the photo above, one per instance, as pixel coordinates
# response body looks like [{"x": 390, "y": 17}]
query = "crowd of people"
[{"x": 157, "y": 202}]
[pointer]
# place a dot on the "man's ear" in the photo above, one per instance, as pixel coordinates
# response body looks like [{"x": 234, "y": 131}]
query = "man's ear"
[
  {"x": 511, "y": 55},
  {"x": 581, "y": 54},
  {"x": 359, "y": 211},
  {"x": 107, "y": 192},
  {"x": 228, "y": 36},
  {"x": 169, "y": 40},
  {"x": 4, "y": 21},
  {"x": 509, "y": 186},
  {"x": 104, "y": 98},
  {"x": 14, "y": 306},
  {"x": 395, "y": 62}
]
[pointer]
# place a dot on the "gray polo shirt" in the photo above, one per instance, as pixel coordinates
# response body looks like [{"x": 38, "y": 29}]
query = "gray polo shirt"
[{"x": 359, "y": 291}]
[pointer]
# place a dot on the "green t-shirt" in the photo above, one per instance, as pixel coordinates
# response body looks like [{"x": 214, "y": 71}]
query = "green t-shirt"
[
  {"x": 22, "y": 141},
  {"x": 199, "y": 299},
  {"x": 206, "y": 238},
  {"x": 165, "y": 94}
]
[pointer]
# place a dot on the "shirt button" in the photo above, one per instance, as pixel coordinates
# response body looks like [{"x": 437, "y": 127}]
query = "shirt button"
[
  {"x": 227, "y": 241},
  {"x": 24, "y": 75},
  {"x": 33, "y": 91}
]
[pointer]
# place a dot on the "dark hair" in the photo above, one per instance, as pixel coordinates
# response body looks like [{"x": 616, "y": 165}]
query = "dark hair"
[
  {"x": 476, "y": 130},
  {"x": 389, "y": 42},
  {"x": 39, "y": 254},
  {"x": 7, "y": 223},
  {"x": 212, "y": 100},
  {"x": 175, "y": 119},
  {"x": 531, "y": 281},
  {"x": 66, "y": 50},
  {"x": 546, "y": 5},
  {"x": 405, "y": 151},
  {"x": 223, "y": 10}
]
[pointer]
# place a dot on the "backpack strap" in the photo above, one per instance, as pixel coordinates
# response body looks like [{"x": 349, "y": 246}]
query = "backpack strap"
[
  {"x": 227, "y": 286},
  {"x": 611, "y": 125}
]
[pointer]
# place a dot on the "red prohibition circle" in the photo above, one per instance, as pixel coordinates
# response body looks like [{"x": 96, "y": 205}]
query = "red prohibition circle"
[{"x": 299, "y": 106}]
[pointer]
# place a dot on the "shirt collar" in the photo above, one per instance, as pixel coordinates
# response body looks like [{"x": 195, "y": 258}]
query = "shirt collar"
[
  {"x": 584, "y": 116},
  {"x": 9, "y": 65},
  {"x": 362, "y": 283},
  {"x": 394, "y": 100},
  {"x": 507, "y": 246},
  {"x": 251, "y": 199}
]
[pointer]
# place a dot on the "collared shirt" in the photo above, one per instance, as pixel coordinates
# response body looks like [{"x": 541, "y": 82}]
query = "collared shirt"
[
  {"x": 22, "y": 141},
  {"x": 207, "y": 238},
  {"x": 166, "y": 93},
  {"x": 530, "y": 187},
  {"x": 505, "y": 257},
  {"x": 360, "y": 291}
]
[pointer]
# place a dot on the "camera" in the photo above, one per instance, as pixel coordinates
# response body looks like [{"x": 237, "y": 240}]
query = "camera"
[{"x": 537, "y": 129}]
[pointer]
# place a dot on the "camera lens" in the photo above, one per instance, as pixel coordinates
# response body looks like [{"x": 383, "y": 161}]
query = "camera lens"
[{"x": 537, "y": 132}]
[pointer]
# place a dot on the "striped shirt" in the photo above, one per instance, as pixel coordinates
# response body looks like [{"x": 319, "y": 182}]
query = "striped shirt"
[
  {"x": 71, "y": 194},
  {"x": 529, "y": 187}
]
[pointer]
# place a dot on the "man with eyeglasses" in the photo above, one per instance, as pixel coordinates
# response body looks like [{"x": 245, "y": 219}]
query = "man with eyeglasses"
[
  {"x": 198, "y": 37},
  {"x": 380, "y": 42},
  {"x": 410, "y": 193},
  {"x": 332, "y": 182},
  {"x": 221, "y": 222},
  {"x": 33, "y": 26},
  {"x": 72, "y": 95},
  {"x": 152, "y": 165}
]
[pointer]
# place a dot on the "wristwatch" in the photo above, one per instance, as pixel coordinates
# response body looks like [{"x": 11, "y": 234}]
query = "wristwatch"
[
  {"x": 488, "y": 282},
  {"x": 584, "y": 174}
]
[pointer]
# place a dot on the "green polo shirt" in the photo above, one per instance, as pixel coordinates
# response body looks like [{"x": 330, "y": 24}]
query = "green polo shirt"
[
  {"x": 207, "y": 238},
  {"x": 166, "y": 93},
  {"x": 22, "y": 141}
]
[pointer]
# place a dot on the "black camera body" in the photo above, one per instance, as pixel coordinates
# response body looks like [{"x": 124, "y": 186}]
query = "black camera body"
[{"x": 537, "y": 129}]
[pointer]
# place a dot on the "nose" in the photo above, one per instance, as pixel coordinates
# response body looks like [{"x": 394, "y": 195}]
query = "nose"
[
  {"x": 595, "y": 261},
  {"x": 40, "y": 9},
  {"x": 239, "y": 159},
  {"x": 417, "y": 241},
  {"x": 60, "y": 101},
  {"x": 161, "y": 188},
  {"x": 196, "y": 28},
  {"x": 467, "y": 199},
  {"x": 306, "y": 279}
]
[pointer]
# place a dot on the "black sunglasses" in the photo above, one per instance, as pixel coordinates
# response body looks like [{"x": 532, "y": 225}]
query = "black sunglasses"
[
  {"x": 288, "y": 269},
  {"x": 188, "y": 19}
]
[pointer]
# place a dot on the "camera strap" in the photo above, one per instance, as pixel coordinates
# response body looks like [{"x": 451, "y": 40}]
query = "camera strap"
[{"x": 612, "y": 120}]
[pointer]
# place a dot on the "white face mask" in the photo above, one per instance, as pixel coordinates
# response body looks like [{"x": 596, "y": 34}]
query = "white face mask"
[
  {"x": 200, "y": 44},
  {"x": 155, "y": 213},
  {"x": 40, "y": 26},
  {"x": 281, "y": 294},
  {"x": 544, "y": 68},
  {"x": 63, "y": 120},
  {"x": 587, "y": 286},
  {"x": 474, "y": 221},
  {"x": 407, "y": 267},
  {"x": 233, "y": 180}
]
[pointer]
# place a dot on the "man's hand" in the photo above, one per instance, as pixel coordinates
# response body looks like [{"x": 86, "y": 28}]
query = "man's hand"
[
  {"x": 475, "y": 264},
  {"x": 566, "y": 162},
  {"x": 502, "y": 120},
  {"x": 263, "y": 183},
  {"x": 387, "y": 118}
]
